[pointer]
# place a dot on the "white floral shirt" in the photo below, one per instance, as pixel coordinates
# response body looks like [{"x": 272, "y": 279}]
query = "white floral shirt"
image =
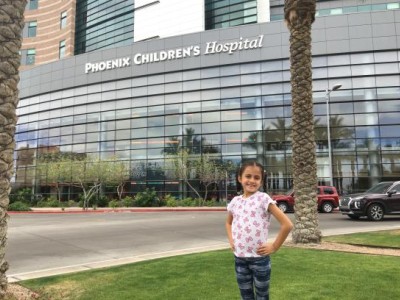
[{"x": 250, "y": 224}]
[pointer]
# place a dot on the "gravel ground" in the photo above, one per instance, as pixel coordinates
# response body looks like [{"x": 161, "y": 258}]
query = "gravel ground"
[{"x": 17, "y": 292}]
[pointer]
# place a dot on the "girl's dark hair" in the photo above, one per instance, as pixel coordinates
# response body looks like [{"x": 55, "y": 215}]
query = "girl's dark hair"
[{"x": 243, "y": 166}]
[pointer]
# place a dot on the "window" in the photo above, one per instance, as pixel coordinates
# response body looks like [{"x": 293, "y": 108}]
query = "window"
[
  {"x": 32, "y": 4},
  {"x": 393, "y": 5},
  {"x": 30, "y": 29},
  {"x": 63, "y": 20},
  {"x": 28, "y": 56},
  {"x": 62, "y": 49}
]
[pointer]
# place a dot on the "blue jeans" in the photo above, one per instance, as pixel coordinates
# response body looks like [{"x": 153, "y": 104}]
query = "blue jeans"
[{"x": 253, "y": 273}]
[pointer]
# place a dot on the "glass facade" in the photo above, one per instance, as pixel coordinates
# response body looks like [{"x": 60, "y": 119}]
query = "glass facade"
[
  {"x": 235, "y": 112},
  {"x": 339, "y": 10},
  {"x": 228, "y": 13},
  {"x": 102, "y": 24}
]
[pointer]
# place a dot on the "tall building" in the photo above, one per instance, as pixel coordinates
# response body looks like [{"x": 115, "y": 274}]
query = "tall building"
[
  {"x": 48, "y": 34},
  {"x": 226, "y": 89},
  {"x": 60, "y": 28}
]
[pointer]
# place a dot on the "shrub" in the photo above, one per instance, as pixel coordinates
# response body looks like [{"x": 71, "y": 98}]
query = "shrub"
[
  {"x": 147, "y": 198},
  {"x": 102, "y": 201},
  {"x": 188, "y": 202},
  {"x": 114, "y": 203},
  {"x": 127, "y": 201},
  {"x": 23, "y": 195},
  {"x": 19, "y": 206},
  {"x": 210, "y": 203},
  {"x": 72, "y": 203},
  {"x": 170, "y": 201},
  {"x": 50, "y": 202}
]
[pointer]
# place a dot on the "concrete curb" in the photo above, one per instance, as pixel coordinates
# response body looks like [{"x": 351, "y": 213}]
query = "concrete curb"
[{"x": 78, "y": 210}]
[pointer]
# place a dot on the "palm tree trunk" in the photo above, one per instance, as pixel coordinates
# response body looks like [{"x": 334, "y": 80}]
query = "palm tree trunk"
[
  {"x": 11, "y": 25},
  {"x": 299, "y": 15}
]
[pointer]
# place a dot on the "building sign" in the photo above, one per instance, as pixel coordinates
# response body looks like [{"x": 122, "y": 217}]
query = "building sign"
[{"x": 173, "y": 54}]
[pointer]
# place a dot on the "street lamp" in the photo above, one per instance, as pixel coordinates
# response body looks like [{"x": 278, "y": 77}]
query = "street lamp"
[{"x": 327, "y": 98}]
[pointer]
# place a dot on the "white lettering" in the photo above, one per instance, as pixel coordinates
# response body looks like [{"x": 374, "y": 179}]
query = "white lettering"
[
  {"x": 163, "y": 55},
  {"x": 210, "y": 48},
  {"x": 137, "y": 59},
  {"x": 260, "y": 41},
  {"x": 107, "y": 65},
  {"x": 178, "y": 53},
  {"x": 88, "y": 67},
  {"x": 196, "y": 51},
  {"x": 126, "y": 61},
  {"x": 171, "y": 54}
]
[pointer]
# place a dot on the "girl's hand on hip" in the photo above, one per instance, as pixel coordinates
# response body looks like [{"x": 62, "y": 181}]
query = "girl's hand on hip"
[
  {"x": 232, "y": 246},
  {"x": 266, "y": 249}
]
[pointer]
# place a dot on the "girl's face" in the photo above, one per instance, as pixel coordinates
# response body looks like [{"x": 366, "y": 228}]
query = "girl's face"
[{"x": 251, "y": 180}]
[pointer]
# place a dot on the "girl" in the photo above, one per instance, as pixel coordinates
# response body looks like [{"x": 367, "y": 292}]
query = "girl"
[{"x": 247, "y": 228}]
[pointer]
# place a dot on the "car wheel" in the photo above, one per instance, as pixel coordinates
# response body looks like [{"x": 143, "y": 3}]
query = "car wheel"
[
  {"x": 375, "y": 212},
  {"x": 327, "y": 207},
  {"x": 283, "y": 206},
  {"x": 353, "y": 217}
]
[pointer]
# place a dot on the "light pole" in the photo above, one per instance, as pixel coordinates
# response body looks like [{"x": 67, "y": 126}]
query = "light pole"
[{"x": 328, "y": 128}]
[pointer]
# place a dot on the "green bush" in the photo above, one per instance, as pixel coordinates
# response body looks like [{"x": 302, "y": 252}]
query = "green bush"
[
  {"x": 170, "y": 201},
  {"x": 19, "y": 206},
  {"x": 72, "y": 203},
  {"x": 189, "y": 202},
  {"x": 102, "y": 201},
  {"x": 210, "y": 203},
  {"x": 147, "y": 198},
  {"x": 114, "y": 203},
  {"x": 127, "y": 201},
  {"x": 50, "y": 202},
  {"x": 23, "y": 195}
]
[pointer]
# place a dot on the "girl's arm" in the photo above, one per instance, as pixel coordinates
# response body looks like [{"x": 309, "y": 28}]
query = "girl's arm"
[
  {"x": 286, "y": 227},
  {"x": 228, "y": 226}
]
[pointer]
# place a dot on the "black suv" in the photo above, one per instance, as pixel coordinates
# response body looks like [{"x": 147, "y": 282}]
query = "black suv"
[{"x": 381, "y": 199}]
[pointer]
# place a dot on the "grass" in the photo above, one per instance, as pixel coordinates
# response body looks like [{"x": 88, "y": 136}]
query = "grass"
[
  {"x": 297, "y": 274},
  {"x": 388, "y": 238}
]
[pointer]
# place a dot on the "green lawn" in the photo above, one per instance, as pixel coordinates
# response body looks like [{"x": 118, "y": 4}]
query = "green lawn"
[
  {"x": 296, "y": 274},
  {"x": 388, "y": 238}
]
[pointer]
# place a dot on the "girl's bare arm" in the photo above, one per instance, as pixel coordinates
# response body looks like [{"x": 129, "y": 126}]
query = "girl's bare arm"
[
  {"x": 286, "y": 227},
  {"x": 228, "y": 226}
]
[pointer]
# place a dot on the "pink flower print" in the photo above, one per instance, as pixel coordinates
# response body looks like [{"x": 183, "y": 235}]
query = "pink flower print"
[
  {"x": 246, "y": 220},
  {"x": 253, "y": 214},
  {"x": 259, "y": 242},
  {"x": 252, "y": 204},
  {"x": 239, "y": 226},
  {"x": 247, "y": 229},
  {"x": 258, "y": 233},
  {"x": 245, "y": 212},
  {"x": 241, "y": 254},
  {"x": 239, "y": 236},
  {"x": 240, "y": 207},
  {"x": 249, "y": 239},
  {"x": 249, "y": 249},
  {"x": 241, "y": 246},
  {"x": 255, "y": 223}
]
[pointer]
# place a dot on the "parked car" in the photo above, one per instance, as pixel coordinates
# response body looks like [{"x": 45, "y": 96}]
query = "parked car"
[
  {"x": 327, "y": 197},
  {"x": 382, "y": 199}
]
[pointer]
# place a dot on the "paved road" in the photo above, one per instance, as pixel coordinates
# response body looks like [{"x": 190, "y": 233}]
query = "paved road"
[{"x": 46, "y": 244}]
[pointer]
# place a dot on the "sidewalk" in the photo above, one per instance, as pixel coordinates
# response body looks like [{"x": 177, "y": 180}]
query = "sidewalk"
[{"x": 59, "y": 210}]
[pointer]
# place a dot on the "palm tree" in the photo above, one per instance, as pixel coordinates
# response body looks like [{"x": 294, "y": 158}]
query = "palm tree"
[
  {"x": 11, "y": 25},
  {"x": 299, "y": 16}
]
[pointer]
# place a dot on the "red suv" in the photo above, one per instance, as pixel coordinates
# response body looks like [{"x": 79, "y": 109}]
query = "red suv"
[{"x": 328, "y": 199}]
